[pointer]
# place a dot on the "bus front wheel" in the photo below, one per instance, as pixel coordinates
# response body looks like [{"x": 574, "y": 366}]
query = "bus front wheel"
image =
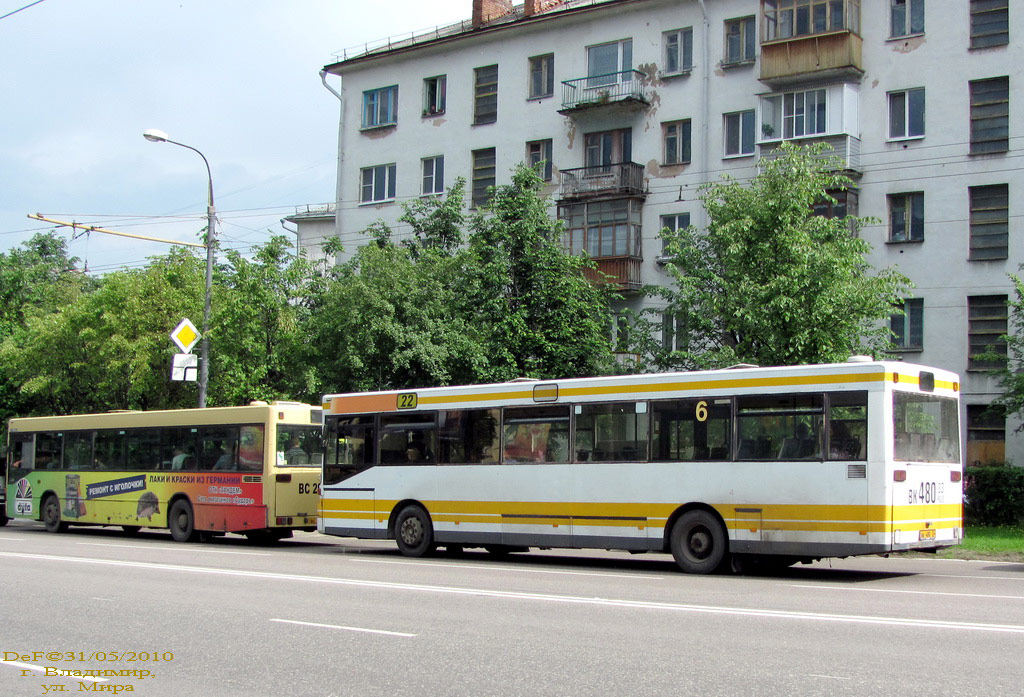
[
  {"x": 414, "y": 532},
  {"x": 181, "y": 521},
  {"x": 698, "y": 542},
  {"x": 51, "y": 515}
]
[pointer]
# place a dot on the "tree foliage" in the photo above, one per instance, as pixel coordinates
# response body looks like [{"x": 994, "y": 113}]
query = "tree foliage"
[
  {"x": 771, "y": 283},
  {"x": 1008, "y": 366}
]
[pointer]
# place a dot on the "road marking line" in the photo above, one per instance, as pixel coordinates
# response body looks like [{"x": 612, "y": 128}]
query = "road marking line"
[
  {"x": 172, "y": 548},
  {"x": 891, "y": 590},
  {"x": 828, "y": 677},
  {"x": 543, "y": 597},
  {"x": 490, "y": 567},
  {"x": 981, "y": 578},
  {"x": 350, "y": 629},
  {"x": 42, "y": 669}
]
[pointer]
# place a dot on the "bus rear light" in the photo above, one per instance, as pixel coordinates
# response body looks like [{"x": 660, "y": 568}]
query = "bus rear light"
[
  {"x": 284, "y": 521},
  {"x": 899, "y": 475},
  {"x": 955, "y": 476},
  {"x": 283, "y": 478}
]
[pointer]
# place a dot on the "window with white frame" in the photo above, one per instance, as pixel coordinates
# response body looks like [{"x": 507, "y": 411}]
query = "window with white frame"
[
  {"x": 740, "y": 40},
  {"x": 906, "y": 217},
  {"x": 739, "y": 133},
  {"x": 678, "y": 50},
  {"x": 610, "y": 63},
  {"x": 380, "y": 107},
  {"x": 542, "y": 76},
  {"x": 906, "y": 113},
  {"x": 907, "y": 327},
  {"x": 538, "y": 156},
  {"x": 674, "y": 222},
  {"x": 676, "y": 142},
  {"x": 906, "y": 17},
  {"x": 435, "y": 95},
  {"x": 433, "y": 175},
  {"x": 794, "y": 115},
  {"x": 378, "y": 183},
  {"x": 788, "y": 19}
]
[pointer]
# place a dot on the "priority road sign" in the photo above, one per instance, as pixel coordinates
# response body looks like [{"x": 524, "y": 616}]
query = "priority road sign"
[{"x": 185, "y": 335}]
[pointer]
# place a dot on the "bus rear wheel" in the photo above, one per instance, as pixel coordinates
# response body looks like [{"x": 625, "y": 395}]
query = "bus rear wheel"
[
  {"x": 698, "y": 542},
  {"x": 414, "y": 532},
  {"x": 51, "y": 515},
  {"x": 181, "y": 522}
]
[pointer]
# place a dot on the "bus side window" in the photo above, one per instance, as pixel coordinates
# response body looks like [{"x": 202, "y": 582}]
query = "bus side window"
[
  {"x": 611, "y": 432},
  {"x": 691, "y": 429},
  {"x": 780, "y": 427},
  {"x": 848, "y": 425},
  {"x": 536, "y": 434}
]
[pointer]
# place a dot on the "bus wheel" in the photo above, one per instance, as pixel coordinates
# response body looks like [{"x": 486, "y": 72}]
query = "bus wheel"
[
  {"x": 181, "y": 522},
  {"x": 131, "y": 529},
  {"x": 414, "y": 532},
  {"x": 51, "y": 515},
  {"x": 698, "y": 542},
  {"x": 3, "y": 514}
]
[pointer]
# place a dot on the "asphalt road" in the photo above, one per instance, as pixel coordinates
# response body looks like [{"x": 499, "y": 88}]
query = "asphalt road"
[{"x": 322, "y": 616}]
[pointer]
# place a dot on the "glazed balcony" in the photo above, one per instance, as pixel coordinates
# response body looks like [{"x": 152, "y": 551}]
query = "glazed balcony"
[
  {"x": 622, "y": 89},
  {"x": 844, "y": 147},
  {"x": 622, "y": 272},
  {"x": 831, "y": 56},
  {"x": 624, "y": 178}
]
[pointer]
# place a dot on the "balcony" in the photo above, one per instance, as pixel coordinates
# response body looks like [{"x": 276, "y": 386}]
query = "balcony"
[
  {"x": 622, "y": 89},
  {"x": 830, "y": 56},
  {"x": 621, "y": 272},
  {"x": 624, "y": 178},
  {"x": 845, "y": 147}
]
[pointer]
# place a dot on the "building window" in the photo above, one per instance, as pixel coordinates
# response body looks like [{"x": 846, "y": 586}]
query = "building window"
[
  {"x": 990, "y": 222},
  {"x": 740, "y": 40},
  {"x": 538, "y": 156},
  {"x": 542, "y": 76},
  {"x": 602, "y": 228},
  {"x": 484, "y": 169},
  {"x": 674, "y": 332},
  {"x": 990, "y": 115},
  {"x": 906, "y": 217},
  {"x": 676, "y": 140},
  {"x": 906, "y": 113},
  {"x": 787, "y": 19},
  {"x": 793, "y": 115},
  {"x": 906, "y": 17},
  {"x": 434, "y": 95},
  {"x": 607, "y": 148},
  {"x": 986, "y": 327},
  {"x": 990, "y": 23},
  {"x": 908, "y": 327},
  {"x": 380, "y": 107},
  {"x": 986, "y": 434},
  {"x": 378, "y": 183},
  {"x": 610, "y": 63},
  {"x": 674, "y": 222},
  {"x": 433, "y": 175},
  {"x": 838, "y": 204},
  {"x": 739, "y": 133},
  {"x": 485, "y": 104},
  {"x": 678, "y": 50}
]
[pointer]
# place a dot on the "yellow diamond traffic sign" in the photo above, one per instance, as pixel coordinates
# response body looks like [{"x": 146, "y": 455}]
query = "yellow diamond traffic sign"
[{"x": 185, "y": 335}]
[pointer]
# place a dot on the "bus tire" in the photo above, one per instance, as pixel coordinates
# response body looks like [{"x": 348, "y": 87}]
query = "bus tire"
[
  {"x": 3, "y": 513},
  {"x": 51, "y": 515},
  {"x": 181, "y": 522},
  {"x": 414, "y": 532},
  {"x": 698, "y": 542}
]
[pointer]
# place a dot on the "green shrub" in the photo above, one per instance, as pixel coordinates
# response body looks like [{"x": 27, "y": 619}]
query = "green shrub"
[{"x": 994, "y": 495}]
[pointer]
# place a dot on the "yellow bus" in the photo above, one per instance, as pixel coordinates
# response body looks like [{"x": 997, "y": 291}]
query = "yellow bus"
[
  {"x": 253, "y": 470},
  {"x": 762, "y": 465}
]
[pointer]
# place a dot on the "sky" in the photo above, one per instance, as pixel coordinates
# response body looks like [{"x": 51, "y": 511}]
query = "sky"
[{"x": 236, "y": 79}]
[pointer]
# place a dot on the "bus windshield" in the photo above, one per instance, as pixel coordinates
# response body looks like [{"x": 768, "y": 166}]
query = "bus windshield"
[
  {"x": 299, "y": 446},
  {"x": 925, "y": 428}
]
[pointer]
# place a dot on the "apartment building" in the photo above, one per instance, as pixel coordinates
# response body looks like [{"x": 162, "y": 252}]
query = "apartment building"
[{"x": 632, "y": 105}]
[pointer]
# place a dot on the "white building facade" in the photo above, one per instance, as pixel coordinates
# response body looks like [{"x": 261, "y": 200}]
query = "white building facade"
[{"x": 632, "y": 105}]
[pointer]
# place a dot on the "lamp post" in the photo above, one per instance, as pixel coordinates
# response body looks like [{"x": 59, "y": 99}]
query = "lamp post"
[{"x": 155, "y": 136}]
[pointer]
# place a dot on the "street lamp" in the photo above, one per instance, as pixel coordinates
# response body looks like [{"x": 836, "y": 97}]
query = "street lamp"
[{"x": 155, "y": 136}]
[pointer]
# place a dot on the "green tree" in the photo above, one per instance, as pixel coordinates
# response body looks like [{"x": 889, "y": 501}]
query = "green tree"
[
  {"x": 529, "y": 297},
  {"x": 771, "y": 283},
  {"x": 1007, "y": 364}
]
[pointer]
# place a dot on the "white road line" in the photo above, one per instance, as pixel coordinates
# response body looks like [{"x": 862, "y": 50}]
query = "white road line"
[
  {"x": 491, "y": 567},
  {"x": 828, "y": 677},
  {"x": 42, "y": 669},
  {"x": 543, "y": 597},
  {"x": 349, "y": 629},
  {"x": 892, "y": 590},
  {"x": 977, "y": 578},
  {"x": 173, "y": 548}
]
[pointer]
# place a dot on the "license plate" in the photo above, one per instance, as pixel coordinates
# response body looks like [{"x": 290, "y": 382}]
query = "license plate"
[{"x": 926, "y": 535}]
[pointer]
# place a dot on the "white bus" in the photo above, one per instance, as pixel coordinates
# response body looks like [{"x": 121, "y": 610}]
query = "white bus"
[{"x": 774, "y": 465}]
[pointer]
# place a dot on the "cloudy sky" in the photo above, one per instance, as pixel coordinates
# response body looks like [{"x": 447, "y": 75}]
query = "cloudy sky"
[{"x": 236, "y": 79}]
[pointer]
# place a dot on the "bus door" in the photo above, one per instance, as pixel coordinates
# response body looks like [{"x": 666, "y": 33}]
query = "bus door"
[{"x": 296, "y": 483}]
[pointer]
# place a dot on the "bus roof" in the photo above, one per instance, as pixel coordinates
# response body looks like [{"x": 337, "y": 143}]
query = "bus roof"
[
  {"x": 852, "y": 375},
  {"x": 257, "y": 412}
]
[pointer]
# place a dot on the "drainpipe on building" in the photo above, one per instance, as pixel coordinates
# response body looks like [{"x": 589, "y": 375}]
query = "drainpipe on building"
[
  {"x": 705, "y": 91},
  {"x": 294, "y": 232},
  {"x": 341, "y": 125}
]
